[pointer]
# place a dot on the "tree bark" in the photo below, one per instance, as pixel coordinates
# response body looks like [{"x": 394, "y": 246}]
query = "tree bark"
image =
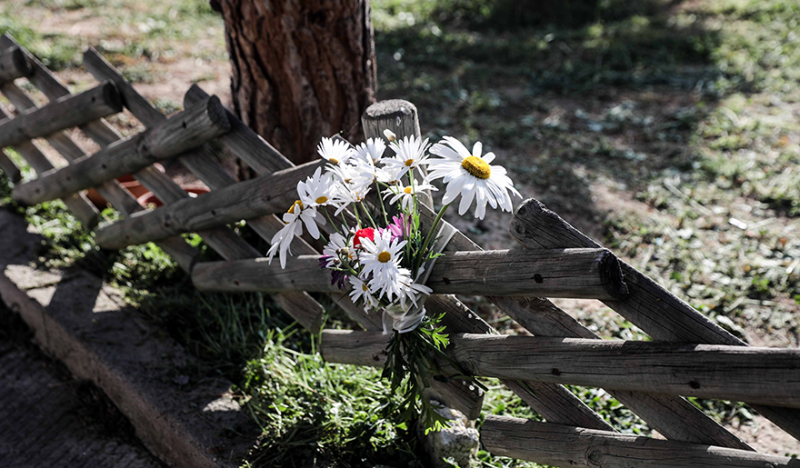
[{"x": 302, "y": 69}]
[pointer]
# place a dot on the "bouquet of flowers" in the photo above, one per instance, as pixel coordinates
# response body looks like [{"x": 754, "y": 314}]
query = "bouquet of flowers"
[{"x": 368, "y": 199}]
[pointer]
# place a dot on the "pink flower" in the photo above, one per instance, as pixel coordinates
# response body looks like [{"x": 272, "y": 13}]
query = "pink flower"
[{"x": 399, "y": 226}]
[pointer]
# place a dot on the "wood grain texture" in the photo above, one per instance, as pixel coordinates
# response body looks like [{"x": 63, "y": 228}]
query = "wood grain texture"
[
  {"x": 399, "y": 116},
  {"x": 301, "y": 69},
  {"x": 246, "y": 200},
  {"x": 766, "y": 375},
  {"x": 705, "y": 371},
  {"x": 651, "y": 307},
  {"x": 103, "y": 134},
  {"x": 562, "y": 445},
  {"x": 183, "y": 130},
  {"x": 672, "y": 416},
  {"x": 30, "y": 151},
  {"x": 654, "y": 309},
  {"x": 554, "y": 402},
  {"x": 112, "y": 191},
  {"x": 203, "y": 164},
  {"x": 575, "y": 272},
  {"x": 13, "y": 64},
  {"x": 66, "y": 112},
  {"x": 244, "y": 142}
]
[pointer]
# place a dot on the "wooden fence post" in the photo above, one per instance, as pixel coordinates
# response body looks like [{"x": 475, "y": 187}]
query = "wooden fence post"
[{"x": 400, "y": 117}]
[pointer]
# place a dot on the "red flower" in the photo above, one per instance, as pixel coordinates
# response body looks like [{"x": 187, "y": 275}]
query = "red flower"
[{"x": 368, "y": 233}]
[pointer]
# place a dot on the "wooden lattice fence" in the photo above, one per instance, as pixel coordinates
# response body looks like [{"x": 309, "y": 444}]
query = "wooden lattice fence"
[{"x": 689, "y": 354}]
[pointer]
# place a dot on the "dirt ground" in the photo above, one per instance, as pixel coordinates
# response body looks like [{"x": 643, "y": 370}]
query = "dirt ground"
[{"x": 647, "y": 171}]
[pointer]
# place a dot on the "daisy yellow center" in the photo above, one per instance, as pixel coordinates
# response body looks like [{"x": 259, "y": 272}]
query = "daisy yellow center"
[
  {"x": 407, "y": 190},
  {"x": 333, "y": 161},
  {"x": 384, "y": 257},
  {"x": 364, "y": 287},
  {"x": 477, "y": 167},
  {"x": 409, "y": 162},
  {"x": 321, "y": 199},
  {"x": 297, "y": 204}
]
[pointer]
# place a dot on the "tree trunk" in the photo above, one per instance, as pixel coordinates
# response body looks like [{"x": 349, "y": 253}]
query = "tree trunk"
[{"x": 302, "y": 69}]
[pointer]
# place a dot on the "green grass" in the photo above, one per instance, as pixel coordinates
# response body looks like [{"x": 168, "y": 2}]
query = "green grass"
[{"x": 686, "y": 112}]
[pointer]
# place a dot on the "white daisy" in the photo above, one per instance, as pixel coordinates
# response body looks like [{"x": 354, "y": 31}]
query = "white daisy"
[
  {"x": 295, "y": 218},
  {"x": 366, "y": 173},
  {"x": 470, "y": 175},
  {"x": 334, "y": 151},
  {"x": 344, "y": 173},
  {"x": 407, "y": 193},
  {"x": 348, "y": 195},
  {"x": 318, "y": 190},
  {"x": 361, "y": 291},
  {"x": 338, "y": 246},
  {"x": 381, "y": 257},
  {"x": 372, "y": 150},
  {"x": 390, "y": 175},
  {"x": 410, "y": 152},
  {"x": 390, "y": 136},
  {"x": 411, "y": 291}
]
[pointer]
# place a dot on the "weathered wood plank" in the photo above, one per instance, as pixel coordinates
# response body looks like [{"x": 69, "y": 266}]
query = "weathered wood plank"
[
  {"x": 77, "y": 203},
  {"x": 183, "y": 130},
  {"x": 400, "y": 117},
  {"x": 69, "y": 111},
  {"x": 569, "y": 273},
  {"x": 562, "y": 445},
  {"x": 672, "y": 416},
  {"x": 246, "y": 200},
  {"x": 201, "y": 162},
  {"x": 102, "y": 133},
  {"x": 554, "y": 402},
  {"x": 245, "y": 143},
  {"x": 654, "y": 309},
  {"x": 559, "y": 273},
  {"x": 705, "y": 371},
  {"x": 13, "y": 64},
  {"x": 651, "y": 307},
  {"x": 112, "y": 191}
]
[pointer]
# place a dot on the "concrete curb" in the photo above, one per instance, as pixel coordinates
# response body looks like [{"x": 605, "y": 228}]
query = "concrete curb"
[{"x": 84, "y": 323}]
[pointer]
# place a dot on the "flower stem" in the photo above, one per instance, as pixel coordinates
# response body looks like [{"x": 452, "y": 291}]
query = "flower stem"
[
  {"x": 422, "y": 253},
  {"x": 328, "y": 215},
  {"x": 383, "y": 207},
  {"x": 369, "y": 216}
]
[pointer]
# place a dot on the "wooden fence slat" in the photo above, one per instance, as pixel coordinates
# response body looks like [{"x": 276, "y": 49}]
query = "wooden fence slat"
[
  {"x": 672, "y": 416},
  {"x": 69, "y": 111},
  {"x": 222, "y": 240},
  {"x": 246, "y": 200},
  {"x": 112, "y": 191},
  {"x": 562, "y": 445},
  {"x": 100, "y": 131},
  {"x": 245, "y": 143},
  {"x": 300, "y": 305},
  {"x": 649, "y": 306},
  {"x": 183, "y": 130},
  {"x": 76, "y": 203},
  {"x": 566, "y": 272},
  {"x": 705, "y": 371},
  {"x": 13, "y": 64}
]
